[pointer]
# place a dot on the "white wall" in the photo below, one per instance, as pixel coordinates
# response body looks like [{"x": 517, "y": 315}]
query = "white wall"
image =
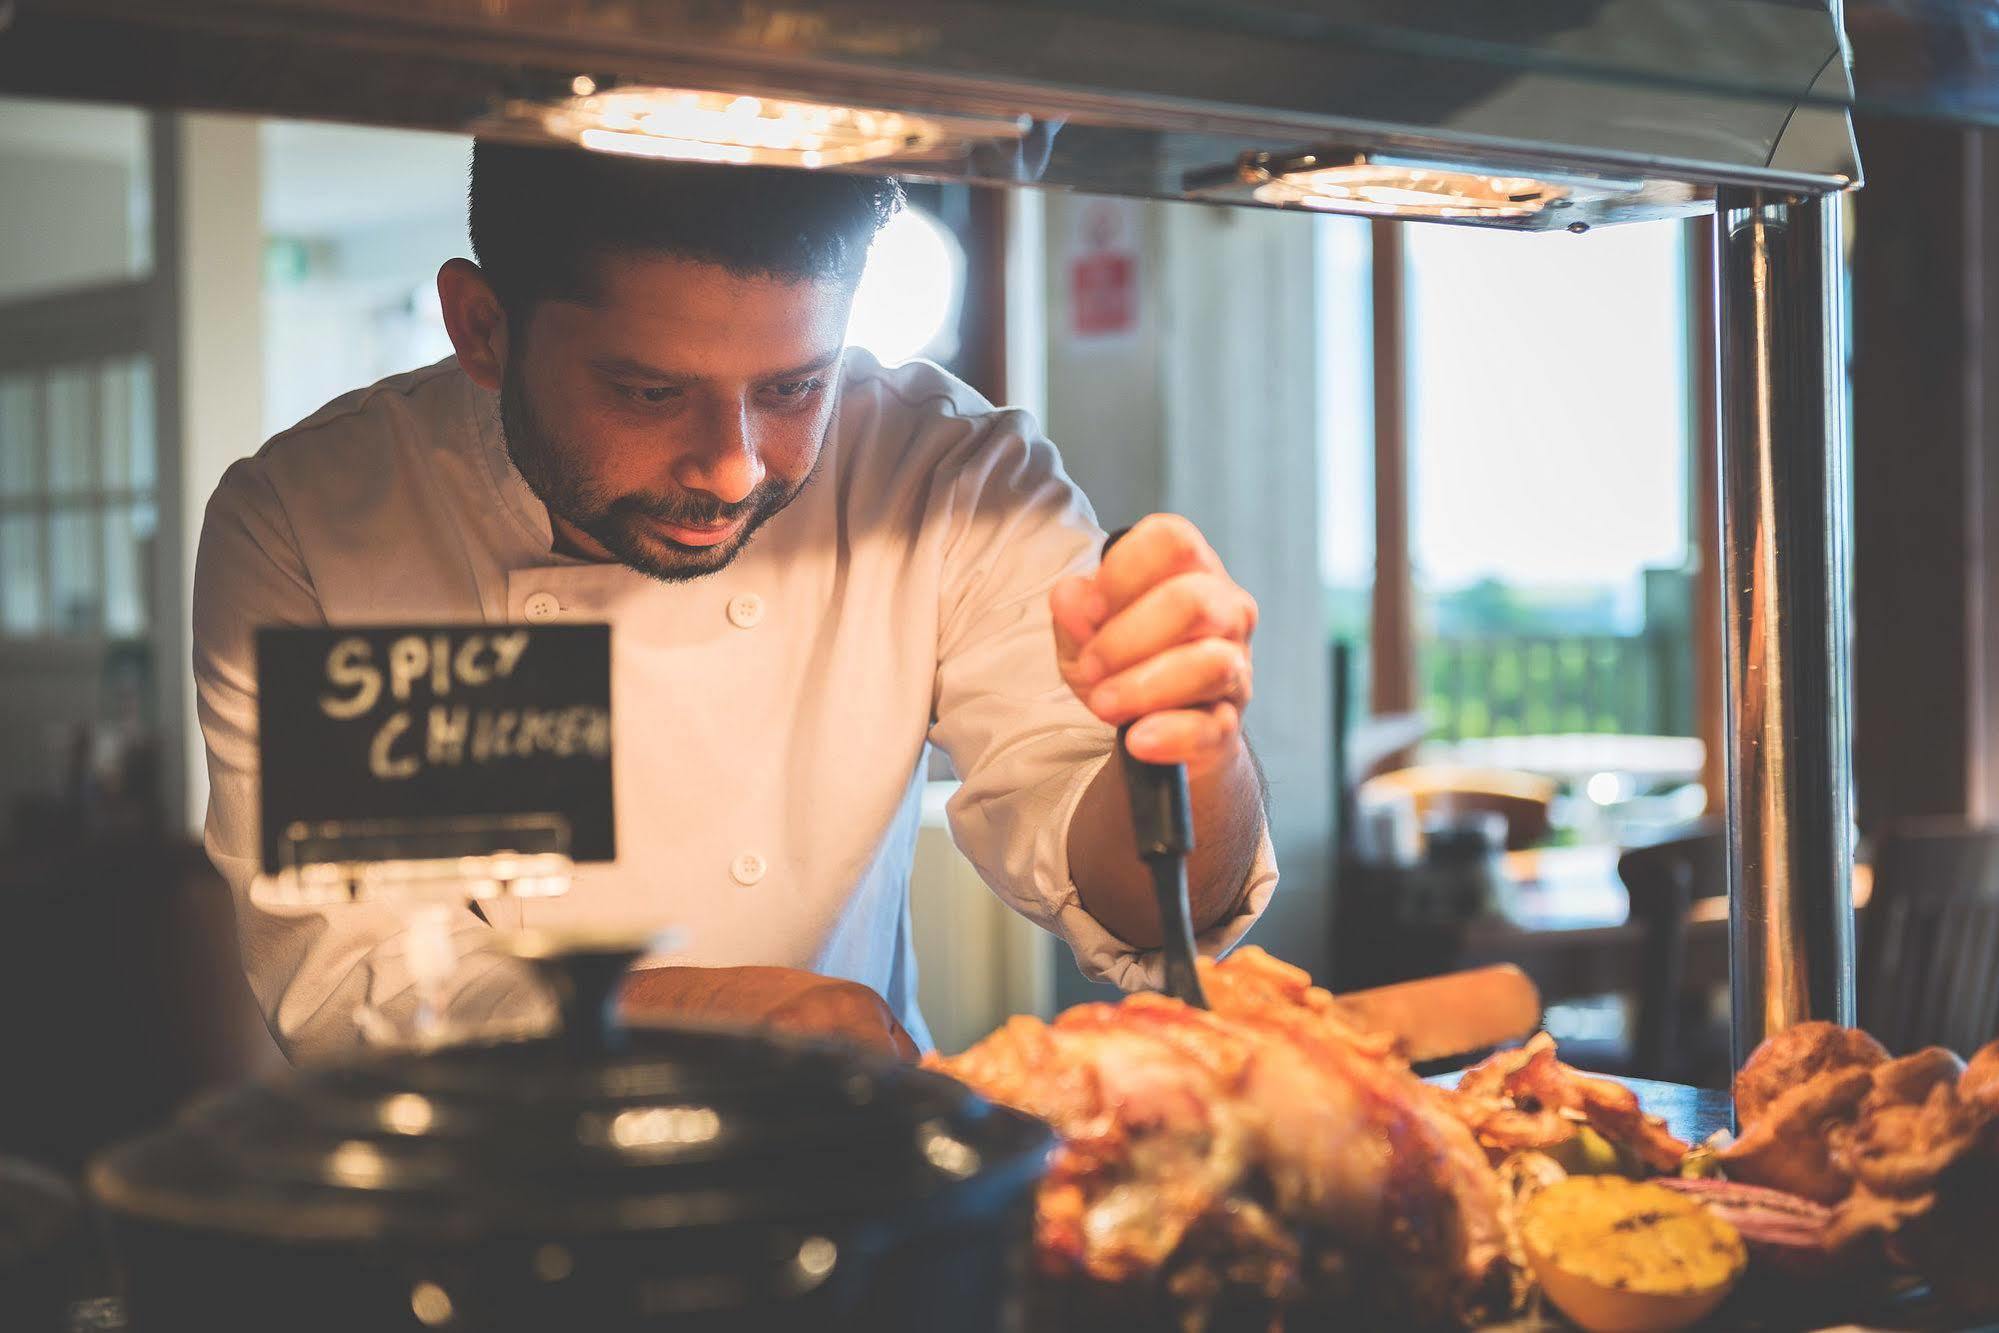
[
  {"x": 1208, "y": 408},
  {"x": 65, "y": 220},
  {"x": 978, "y": 962},
  {"x": 373, "y": 213},
  {"x": 368, "y": 309},
  {"x": 1240, "y": 366},
  {"x": 1105, "y": 407}
]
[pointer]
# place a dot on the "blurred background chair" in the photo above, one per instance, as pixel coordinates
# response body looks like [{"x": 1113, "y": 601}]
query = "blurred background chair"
[
  {"x": 1442, "y": 795},
  {"x": 1929, "y": 947},
  {"x": 1673, "y": 1032},
  {"x": 123, "y": 992},
  {"x": 1423, "y": 862}
]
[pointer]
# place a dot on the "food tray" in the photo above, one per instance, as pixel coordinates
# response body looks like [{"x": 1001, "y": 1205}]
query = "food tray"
[
  {"x": 1910, "y": 1311},
  {"x": 1691, "y": 1114}
]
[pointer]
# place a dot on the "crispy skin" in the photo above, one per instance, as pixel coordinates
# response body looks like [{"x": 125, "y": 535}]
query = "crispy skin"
[
  {"x": 1527, "y": 1100},
  {"x": 1433, "y": 1162},
  {"x": 1489, "y": 1098},
  {"x": 1980, "y": 1081},
  {"x": 1235, "y": 1133}
]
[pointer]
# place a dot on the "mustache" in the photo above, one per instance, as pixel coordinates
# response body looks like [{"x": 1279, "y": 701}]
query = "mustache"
[{"x": 691, "y": 508}]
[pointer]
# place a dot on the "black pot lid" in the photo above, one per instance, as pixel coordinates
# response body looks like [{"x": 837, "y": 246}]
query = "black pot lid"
[{"x": 654, "y": 1129}]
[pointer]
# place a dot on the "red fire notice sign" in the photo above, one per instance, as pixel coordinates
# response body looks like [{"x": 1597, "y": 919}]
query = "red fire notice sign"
[
  {"x": 1103, "y": 272},
  {"x": 1102, "y": 292}
]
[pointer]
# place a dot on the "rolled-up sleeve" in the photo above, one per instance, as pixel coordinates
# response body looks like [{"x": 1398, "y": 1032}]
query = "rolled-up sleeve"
[
  {"x": 1024, "y": 746},
  {"x": 321, "y": 974}
]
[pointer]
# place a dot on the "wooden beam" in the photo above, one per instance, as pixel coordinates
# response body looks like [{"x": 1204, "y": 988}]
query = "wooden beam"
[
  {"x": 1916, "y": 481},
  {"x": 1392, "y": 622},
  {"x": 1981, "y": 279},
  {"x": 982, "y": 357},
  {"x": 1704, "y": 517}
]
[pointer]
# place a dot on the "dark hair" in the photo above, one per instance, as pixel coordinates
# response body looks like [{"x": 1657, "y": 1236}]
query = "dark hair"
[{"x": 540, "y": 217}]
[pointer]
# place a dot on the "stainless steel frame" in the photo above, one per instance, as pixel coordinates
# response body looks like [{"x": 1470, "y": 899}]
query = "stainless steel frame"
[
  {"x": 1785, "y": 523},
  {"x": 1134, "y": 99}
]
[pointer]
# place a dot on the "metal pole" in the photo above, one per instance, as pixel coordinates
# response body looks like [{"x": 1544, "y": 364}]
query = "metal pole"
[{"x": 1785, "y": 522}]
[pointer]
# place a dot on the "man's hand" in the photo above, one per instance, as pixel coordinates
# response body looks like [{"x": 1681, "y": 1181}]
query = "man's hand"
[
  {"x": 782, "y": 999},
  {"x": 1159, "y": 637}
]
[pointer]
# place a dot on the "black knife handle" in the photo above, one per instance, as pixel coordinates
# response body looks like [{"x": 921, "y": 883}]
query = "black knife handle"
[{"x": 1162, "y": 815}]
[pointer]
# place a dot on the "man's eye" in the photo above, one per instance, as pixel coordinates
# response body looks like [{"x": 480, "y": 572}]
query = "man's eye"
[
  {"x": 650, "y": 394},
  {"x": 796, "y": 388}
]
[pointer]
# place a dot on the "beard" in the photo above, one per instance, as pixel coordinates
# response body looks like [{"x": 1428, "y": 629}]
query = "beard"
[{"x": 626, "y": 525}]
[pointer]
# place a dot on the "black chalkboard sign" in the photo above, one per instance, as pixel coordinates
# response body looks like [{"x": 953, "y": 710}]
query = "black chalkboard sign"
[{"x": 449, "y": 723}]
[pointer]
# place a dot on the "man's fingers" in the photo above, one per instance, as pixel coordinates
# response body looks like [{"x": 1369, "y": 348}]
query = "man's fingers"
[
  {"x": 1078, "y": 609},
  {"x": 1191, "y": 736},
  {"x": 1185, "y": 608},
  {"x": 1159, "y": 637},
  {"x": 1156, "y": 548},
  {"x": 1203, "y": 672}
]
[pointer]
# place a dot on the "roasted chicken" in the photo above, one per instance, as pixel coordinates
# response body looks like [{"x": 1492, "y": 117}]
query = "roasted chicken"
[
  {"x": 1527, "y": 1100},
  {"x": 1266, "y": 1149}
]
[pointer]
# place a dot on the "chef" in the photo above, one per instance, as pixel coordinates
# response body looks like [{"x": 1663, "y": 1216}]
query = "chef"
[{"x": 815, "y": 569}]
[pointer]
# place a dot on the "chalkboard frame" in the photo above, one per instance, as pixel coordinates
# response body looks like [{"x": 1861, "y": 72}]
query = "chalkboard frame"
[{"x": 324, "y": 757}]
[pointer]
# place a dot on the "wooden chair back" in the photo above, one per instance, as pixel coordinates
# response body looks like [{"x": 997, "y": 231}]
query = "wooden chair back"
[
  {"x": 1442, "y": 791},
  {"x": 1929, "y": 946},
  {"x": 1664, "y": 879}
]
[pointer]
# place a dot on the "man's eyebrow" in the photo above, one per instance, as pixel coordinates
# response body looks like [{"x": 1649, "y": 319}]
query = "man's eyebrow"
[
  {"x": 813, "y": 366},
  {"x": 638, "y": 370}
]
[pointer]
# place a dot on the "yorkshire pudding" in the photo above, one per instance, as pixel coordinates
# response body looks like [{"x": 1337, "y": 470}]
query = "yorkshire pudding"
[{"x": 1795, "y": 1056}]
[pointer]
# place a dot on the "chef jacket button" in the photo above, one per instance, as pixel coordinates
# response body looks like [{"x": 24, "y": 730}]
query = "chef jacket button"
[
  {"x": 746, "y": 610},
  {"x": 748, "y": 868},
  {"x": 542, "y": 607}
]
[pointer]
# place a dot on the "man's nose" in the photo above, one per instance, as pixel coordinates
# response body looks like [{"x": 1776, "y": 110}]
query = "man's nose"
[{"x": 724, "y": 461}]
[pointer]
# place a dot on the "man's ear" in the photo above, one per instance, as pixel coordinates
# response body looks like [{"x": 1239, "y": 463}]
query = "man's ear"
[{"x": 476, "y": 322}]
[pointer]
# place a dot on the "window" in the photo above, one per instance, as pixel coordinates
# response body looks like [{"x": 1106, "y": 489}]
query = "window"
[
  {"x": 1345, "y": 387},
  {"x": 77, "y": 502},
  {"x": 1548, "y": 465},
  {"x": 1548, "y": 378},
  {"x": 82, "y": 633},
  {"x": 907, "y": 304},
  {"x": 78, "y": 507}
]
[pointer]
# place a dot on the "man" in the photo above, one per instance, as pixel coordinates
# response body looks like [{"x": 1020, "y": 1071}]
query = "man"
[{"x": 814, "y": 568}]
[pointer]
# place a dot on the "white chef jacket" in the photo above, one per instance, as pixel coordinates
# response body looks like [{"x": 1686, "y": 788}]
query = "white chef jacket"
[{"x": 770, "y": 720}]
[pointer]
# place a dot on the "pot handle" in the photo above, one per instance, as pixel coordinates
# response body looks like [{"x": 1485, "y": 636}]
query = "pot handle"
[{"x": 583, "y": 973}]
